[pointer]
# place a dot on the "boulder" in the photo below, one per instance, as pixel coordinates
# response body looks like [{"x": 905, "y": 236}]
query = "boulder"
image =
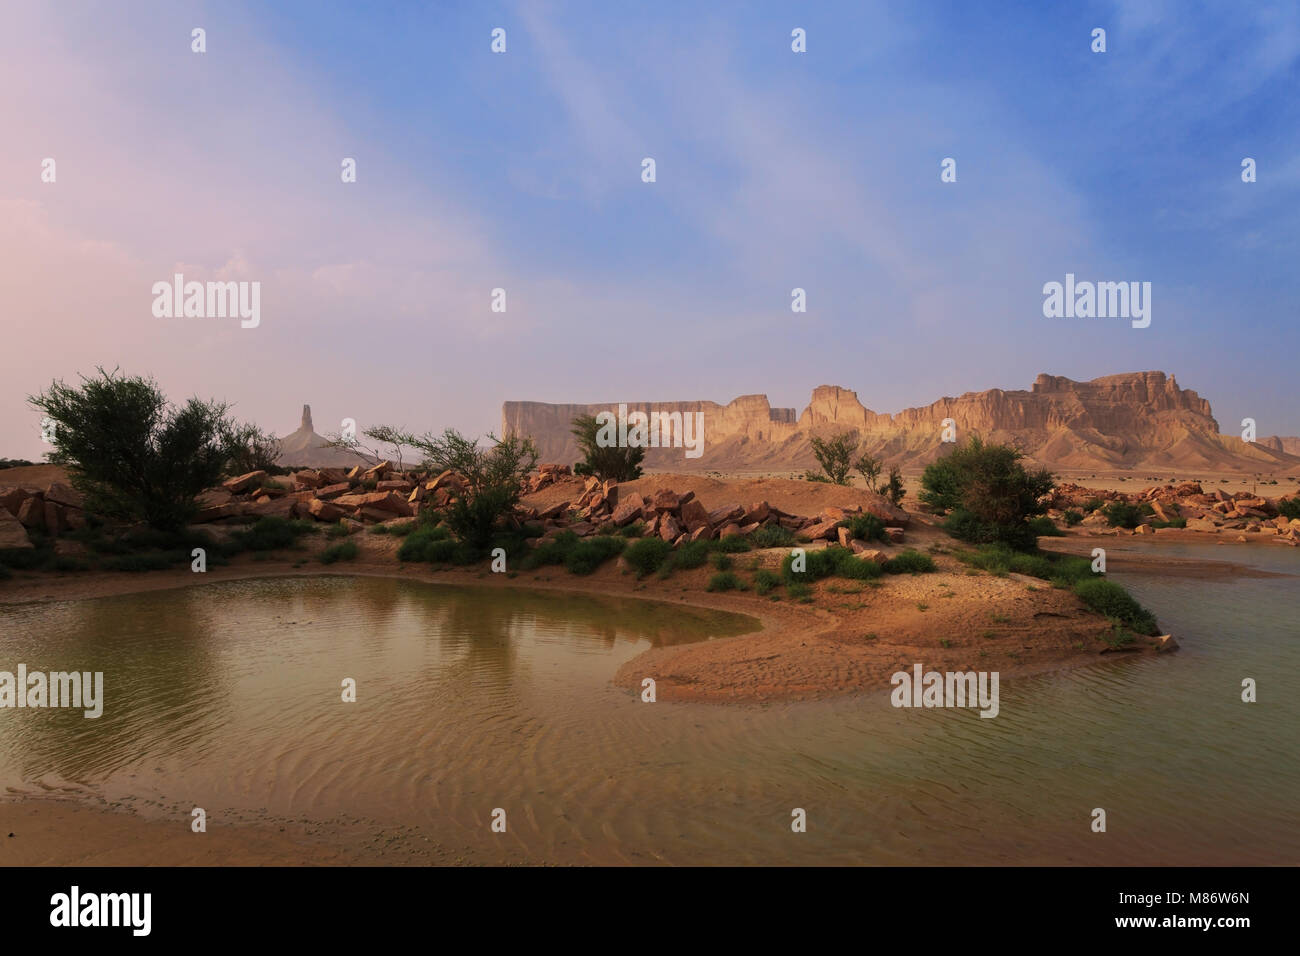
[
  {"x": 1202, "y": 524},
  {"x": 757, "y": 512},
  {"x": 237, "y": 486},
  {"x": 32, "y": 513},
  {"x": 725, "y": 515},
  {"x": 12, "y": 532},
  {"x": 702, "y": 533},
  {"x": 272, "y": 508},
  {"x": 54, "y": 520},
  {"x": 666, "y": 500},
  {"x": 871, "y": 554},
  {"x": 845, "y": 536},
  {"x": 729, "y": 530},
  {"x": 377, "y": 500},
  {"x": 894, "y": 534},
  {"x": 324, "y": 510},
  {"x": 379, "y": 471},
  {"x": 394, "y": 484},
  {"x": 629, "y": 509},
  {"x": 12, "y": 498},
  {"x": 669, "y": 528},
  {"x": 333, "y": 491},
  {"x": 65, "y": 495},
  {"x": 823, "y": 529},
  {"x": 308, "y": 478},
  {"x": 693, "y": 515}
]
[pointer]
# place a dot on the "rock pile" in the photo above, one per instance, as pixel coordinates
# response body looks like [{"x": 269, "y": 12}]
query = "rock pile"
[
  {"x": 1211, "y": 512},
  {"x": 53, "y": 511}
]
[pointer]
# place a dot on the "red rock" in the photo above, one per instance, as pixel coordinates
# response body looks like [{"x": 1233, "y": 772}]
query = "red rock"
[
  {"x": 12, "y": 532},
  {"x": 380, "y": 470},
  {"x": 844, "y": 536},
  {"x": 702, "y": 533},
  {"x": 666, "y": 500},
  {"x": 377, "y": 500},
  {"x": 11, "y": 499},
  {"x": 309, "y": 478},
  {"x": 373, "y": 515},
  {"x": 730, "y": 530},
  {"x": 333, "y": 491},
  {"x": 689, "y": 496},
  {"x": 870, "y": 554},
  {"x": 725, "y": 515},
  {"x": 629, "y": 509},
  {"x": 895, "y": 535},
  {"x": 274, "y": 508},
  {"x": 324, "y": 510},
  {"x": 681, "y": 540},
  {"x": 394, "y": 484},
  {"x": 669, "y": 529},
  {"x": 65, "y": 495},
  {"x": 32, "y": 513},
  {"x": 237, "y": 486},
  {"x": 694, "y": 515},
  {"x": 757, "y": 512},
  {"x": 822, "y": 530}
]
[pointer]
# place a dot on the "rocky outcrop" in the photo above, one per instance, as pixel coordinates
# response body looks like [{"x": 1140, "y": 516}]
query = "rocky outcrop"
[{"x": 1118, "y": 422}]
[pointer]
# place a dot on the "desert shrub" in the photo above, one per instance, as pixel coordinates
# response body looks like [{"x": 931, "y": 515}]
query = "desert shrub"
[
  {"x": 773, "y": 536},
  {"x": 340, "y": 529},
  {"x": 1289, "y": 508},
  {"x": 1120, "y": 514},
  {"x": 987, "y": 491},
  {"x": 133, "y": 455},
  {"x": 816, "y": 476},
  {"x": 587, "y": 554},
  {"x": 910, "y": 561},
  {"x": 1072, "y": 518},
  {"x": 893, "y": 489},
  {"x": 271, "y": 533},
  {"x": 417, "y": 544},
  {"x": 799, "y": 591},
  {"x": 722, "y": 561},
  {"x": 1171, "y": 523},
  {"x": 645, "y": 555},
  {"x": 693, "y": 554},
  {"x": 732, "y": 545},
  {"x": 724, "y": 581},
  {"x": 1092, "y": 504},
  {"x": 866, "y": 527},
  {"x": 1045, "y": 527},
  {"x": 248, "y": 448},
  {"x": 1108, "y": 598},
  {"x": 765, "y": 581},
  {"x": 817, "y": 565},
  {"x": 343, "y": 551},
  {"x": 858, "y": 569},
  {"x": 494, "y": 479},
  {"x": 604, "y": 459},
  {"x": 633, "y": 530}
]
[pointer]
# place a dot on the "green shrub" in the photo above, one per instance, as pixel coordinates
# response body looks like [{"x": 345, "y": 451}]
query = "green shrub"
[
  {"x": 1092, "y": 504},
  {"x": 765, "y": 581},
  {"x": 1108, "y": 598},
  {"x": 1120, "y": 514},
  {"x": 910, "y": 561},
  {"x": 734, "y": 544},
  {"x": 722, "y": 561},
  {"x": 588, "y": 554},
  {"x": 633, "y": 530},
  {"x": 724, "y": 581},
  {"x": 817, "y": 565},
  {"x": 343, "y": 551},
  {"x": 773, "y": 536},
  {"x": 1171, "y": 523},
  {"x": 645, "y": 555},
  {"x": 418, "y": 545},
  {"x": 1072, "y": 518},
  {"x": 800, "y": 592},
  {"x": 271, "y": 534},
  {"x": 865, "y": 527},
  {"x": 693, "y": 554},
  {"x": 1289, "y": 508},
  {"x": 340, "y": 529},
  {"x": 857, "y": 569},
  {"x": 1045, "y": 527},
  {"x": 965, "y": 526}
]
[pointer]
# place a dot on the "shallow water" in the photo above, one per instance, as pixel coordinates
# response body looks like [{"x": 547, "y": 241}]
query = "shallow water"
[{"x": 227, "y": 696}]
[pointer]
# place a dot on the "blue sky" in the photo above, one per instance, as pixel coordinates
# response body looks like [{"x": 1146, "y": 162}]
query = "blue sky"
[{"x": 775, "y": 170}]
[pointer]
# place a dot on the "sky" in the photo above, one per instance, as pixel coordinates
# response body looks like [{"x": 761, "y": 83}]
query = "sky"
[{"x": 522, "y": 171}]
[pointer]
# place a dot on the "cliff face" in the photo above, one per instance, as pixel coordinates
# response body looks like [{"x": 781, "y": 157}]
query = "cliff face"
[{"x": 1137, "y": 420}]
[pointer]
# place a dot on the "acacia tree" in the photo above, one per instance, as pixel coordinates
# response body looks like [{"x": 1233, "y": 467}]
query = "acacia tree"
[
  {"x": 494, "y": 478},
  {"x": 988, "y": 492},
  {"x": 869, "y": 467},
  {"x": 835, "y": 455},
  {"x": 133, "y": 455},
  {"x": 248, "y": 448}
]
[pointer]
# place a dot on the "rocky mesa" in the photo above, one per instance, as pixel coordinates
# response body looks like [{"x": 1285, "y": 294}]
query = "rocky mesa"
[{"x": 1138, "y": 420}]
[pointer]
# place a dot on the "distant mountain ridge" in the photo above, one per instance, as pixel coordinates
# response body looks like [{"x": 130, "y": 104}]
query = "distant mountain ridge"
[{"x": 1137, "y": 420}]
